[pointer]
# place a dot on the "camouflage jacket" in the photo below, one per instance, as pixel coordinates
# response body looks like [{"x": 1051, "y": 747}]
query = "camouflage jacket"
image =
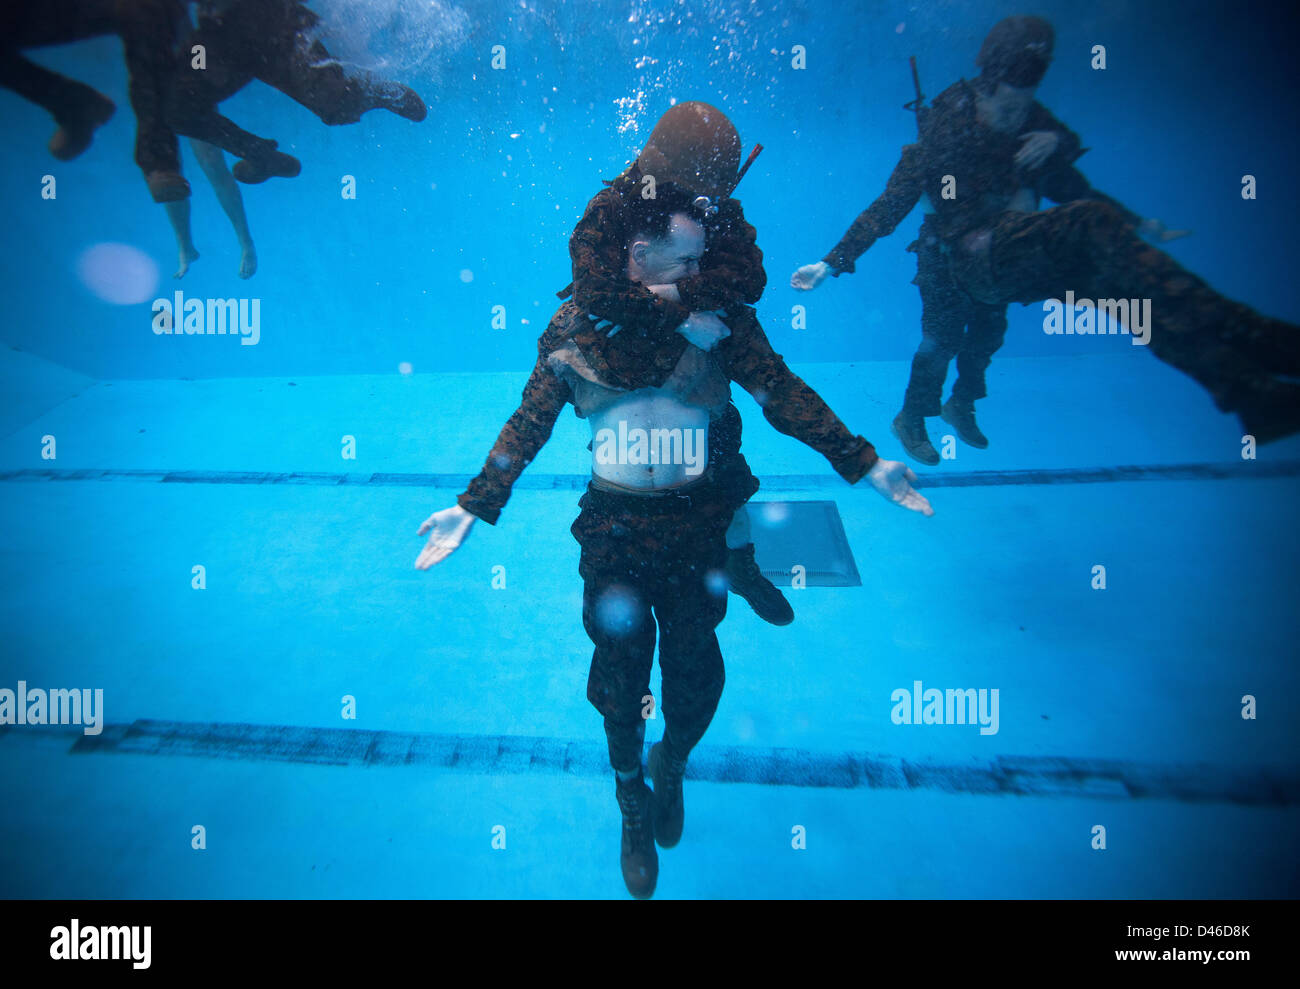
[
  {"x": 747, "y": 359},
  {"x": 731, "y": 272},
  {"x": 982, "y": 163},
  {"x": 647, "y": 346}
]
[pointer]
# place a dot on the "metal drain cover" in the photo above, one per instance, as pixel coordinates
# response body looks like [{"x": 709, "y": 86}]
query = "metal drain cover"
[{"x": 808, "y": 534}]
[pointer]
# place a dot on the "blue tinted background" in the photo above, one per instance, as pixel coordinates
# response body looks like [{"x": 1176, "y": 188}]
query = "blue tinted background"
[
  {"x": 1194, "y": 96},
  {"x": 311, "y": 590}
]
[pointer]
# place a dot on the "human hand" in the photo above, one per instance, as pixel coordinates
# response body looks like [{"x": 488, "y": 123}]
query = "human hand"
[
  {"x": 810, "y": 276},
  {"x": 1036, "y": 147},
  {"x": 1152, "y": 228},
  {"x": 704, "y": 329},
  {"x": 668, "y": 291},
  {"x": 604, "y": 324},
  {"x": 447, "y": 530},
  {"x": 890, "y": 478}
]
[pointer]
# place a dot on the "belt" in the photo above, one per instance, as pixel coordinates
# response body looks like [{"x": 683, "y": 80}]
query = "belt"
[{"x": 660, "y": 501}]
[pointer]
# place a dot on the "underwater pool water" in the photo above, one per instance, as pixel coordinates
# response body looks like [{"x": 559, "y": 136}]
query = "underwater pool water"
[{"x": 220, "y": 534}]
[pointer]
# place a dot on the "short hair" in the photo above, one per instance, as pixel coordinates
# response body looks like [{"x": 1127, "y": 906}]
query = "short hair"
[{"x": 651, "y": 217}]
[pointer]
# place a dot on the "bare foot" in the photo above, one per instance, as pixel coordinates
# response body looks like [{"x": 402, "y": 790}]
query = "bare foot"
[
  {"x": 248, "y": 262},
  {"x": 188, "y": 255}
]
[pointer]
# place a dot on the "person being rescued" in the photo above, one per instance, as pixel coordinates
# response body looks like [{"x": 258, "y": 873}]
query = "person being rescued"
[{"x": 987, "y": 152}]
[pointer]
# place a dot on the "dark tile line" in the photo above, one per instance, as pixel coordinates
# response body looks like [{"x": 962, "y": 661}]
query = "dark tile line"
[
  {"x": 1042, "y": 776},
  {"x": 1246, "y": 470}
]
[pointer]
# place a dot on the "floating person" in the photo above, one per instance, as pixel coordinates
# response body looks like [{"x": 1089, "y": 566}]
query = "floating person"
[
  {"x": 241, "y": 40},
  {"x": 149, "y": 29},
  {"x": 987, "y": 152},
  {"x": 693, "y": 153},
  {"x": 653, "y": 528},
  {"x": 269, "y": 40},
  {"x": 213, "y": 163}
]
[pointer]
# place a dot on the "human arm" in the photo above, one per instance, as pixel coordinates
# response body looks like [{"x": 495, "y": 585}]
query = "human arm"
[
  {"x": 731, "y": 271},
  {"x": 1048, "y": 153},
  {"x": 703, "y": 329},
  {"x": 1068, "y": 184},
  {"x": 1046, "y": 144},
  {"x": 600, "y": 285},
  {"x": 796, "y": 410},
  {"x": 901, "y": 194},
  {"x": 788, "y": 403},
  {"x": 517, "y": 444}
]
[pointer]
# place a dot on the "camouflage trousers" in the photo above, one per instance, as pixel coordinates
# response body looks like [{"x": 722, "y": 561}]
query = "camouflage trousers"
[
  {"x": 265, "y": 40},
  {"x": 147, "y": 31},
  {"x": 1086, "y": 247},
  {"x": 953, "y": 324},
  {"x": 657, "y": 563}
]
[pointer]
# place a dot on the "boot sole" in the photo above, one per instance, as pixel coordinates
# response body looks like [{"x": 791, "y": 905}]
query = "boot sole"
[
  {"x": 252, "y": 175},
  {"x": 768, "y": 616},
  {"x": 752, "y": 587},
  {"x": 647, "y": 894}
]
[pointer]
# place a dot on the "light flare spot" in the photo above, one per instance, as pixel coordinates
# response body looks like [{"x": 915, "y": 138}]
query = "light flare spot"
[
  {"x": 118, "y": 273},
  {"x": 618, "y": 611},
  {"x": 717, "y": 583}
]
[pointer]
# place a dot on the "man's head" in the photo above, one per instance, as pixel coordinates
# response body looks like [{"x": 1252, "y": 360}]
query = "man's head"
[
  {"x": 1016, "y": 52},
  {"x": 665, "y": 245}
]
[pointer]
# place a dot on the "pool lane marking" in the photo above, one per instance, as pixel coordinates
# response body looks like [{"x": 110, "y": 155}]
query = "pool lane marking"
[
  {"x": 1040, "y": 776},
  {"x": 1244, "y": 471}
]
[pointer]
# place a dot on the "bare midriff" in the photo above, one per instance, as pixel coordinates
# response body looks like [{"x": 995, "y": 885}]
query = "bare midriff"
[{"x": 676, "y": 445}]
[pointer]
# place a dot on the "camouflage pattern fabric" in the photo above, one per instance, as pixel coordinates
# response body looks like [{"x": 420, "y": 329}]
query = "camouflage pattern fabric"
[
  {"x": 746, "y": 357},
  {"x": 647, "y": 562}
]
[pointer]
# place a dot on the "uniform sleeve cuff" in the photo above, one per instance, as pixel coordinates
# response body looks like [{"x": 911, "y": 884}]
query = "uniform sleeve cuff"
[
  {"x": 855, "y": 466},
  {"x": 479, "y": 511}
]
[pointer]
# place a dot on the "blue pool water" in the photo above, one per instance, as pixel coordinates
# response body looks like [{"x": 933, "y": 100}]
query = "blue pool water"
[{"x": 1119, "y": 708}]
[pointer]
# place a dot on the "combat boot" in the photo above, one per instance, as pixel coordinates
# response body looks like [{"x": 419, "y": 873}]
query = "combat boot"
[
  {"x": 77, "y": 129},
  {"x": 264, "y": 164},
  {"x": 961, "y": 417},
  {"x": 401, "y": 100},
  {"x": 167, "y": 187},
  {"x": 910, "y": 430},
  {"x": 763, "y": 596},
  {"x": 1271, "y": 411},
  {"x": 638, "y": 858},
  {"x": 669, "y": 805}
]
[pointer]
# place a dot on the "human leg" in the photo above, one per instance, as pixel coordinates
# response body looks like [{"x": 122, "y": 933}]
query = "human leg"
[
  {"x": 944, "y": 312},
  {"x": 1087, "y": 248},
  {"x": 192, "y": 96},
  {"x": 732, "y": 473},
  {"x": 78, "y": 109},
  {"x": 689, "y": 605},
  {"x": 213, "y": 163},
  {"x": 616, "y": 612},
  {"x": 178, "y": 213},
  {"x": 985, "y": 330}
]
